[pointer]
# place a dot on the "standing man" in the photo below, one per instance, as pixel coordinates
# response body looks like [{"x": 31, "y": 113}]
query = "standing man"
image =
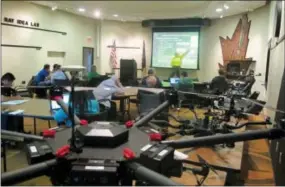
[
  {"x": 176, "y": 61},
  {"x": 41, "y": 77}
]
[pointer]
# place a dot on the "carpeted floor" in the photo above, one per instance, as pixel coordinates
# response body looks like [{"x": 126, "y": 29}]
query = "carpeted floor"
[{"x": 256, "y": 164}]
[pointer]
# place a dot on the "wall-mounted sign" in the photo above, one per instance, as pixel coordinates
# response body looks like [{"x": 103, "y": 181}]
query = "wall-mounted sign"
[{"x": 21, "y": 22}]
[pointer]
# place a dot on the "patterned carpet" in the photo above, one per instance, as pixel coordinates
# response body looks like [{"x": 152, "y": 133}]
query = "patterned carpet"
[{"x": 256, "y": 164}]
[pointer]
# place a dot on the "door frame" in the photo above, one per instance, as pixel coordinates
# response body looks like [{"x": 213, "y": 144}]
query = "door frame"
[{"x": 92, "y": 48}]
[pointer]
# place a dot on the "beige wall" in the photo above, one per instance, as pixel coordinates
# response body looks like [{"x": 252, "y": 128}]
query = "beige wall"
[
  {"x": 276, "y": 68},
  {"x": 130, "y": 34},
  {"x": 211, "y": 52},
  {"x": 126, "y": 34},
  {"x": 27, "y": 62}
]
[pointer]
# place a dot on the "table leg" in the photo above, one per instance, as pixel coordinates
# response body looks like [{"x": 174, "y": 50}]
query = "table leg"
[
  {"x": 129, "y": 106},
  {"x": 49, "y": 125},
  {"x": 35, "y": 126},
  {"x": 122, "y": 108},
  {"x": 4, "y": 156}
]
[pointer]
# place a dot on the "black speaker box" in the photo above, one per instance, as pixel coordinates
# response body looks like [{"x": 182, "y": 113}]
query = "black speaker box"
[
  {"x": 128, "y": 71},
  {"x": 186, "y": 22}
]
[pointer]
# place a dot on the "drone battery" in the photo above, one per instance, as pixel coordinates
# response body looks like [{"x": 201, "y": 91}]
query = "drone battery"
[
  {"x": 95, "y": 172},
  {"x": 38, "y": 151},
  {"x": 158, "y": 157}
]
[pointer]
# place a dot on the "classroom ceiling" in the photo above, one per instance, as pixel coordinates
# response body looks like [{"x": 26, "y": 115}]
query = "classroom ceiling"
[{"x": 141, "y": 10}]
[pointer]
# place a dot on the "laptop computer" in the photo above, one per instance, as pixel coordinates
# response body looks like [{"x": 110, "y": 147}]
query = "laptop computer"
[
  {"x": 174, "y": 81},
  {"x": 55, "y": 106}
]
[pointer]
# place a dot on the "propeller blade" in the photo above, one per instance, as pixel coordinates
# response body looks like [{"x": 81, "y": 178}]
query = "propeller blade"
[{"x": 202, "y": 160}]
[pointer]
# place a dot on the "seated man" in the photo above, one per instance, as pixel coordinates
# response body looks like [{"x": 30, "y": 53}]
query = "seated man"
[
  {"x": 185, "y": 82},
  {"x": 151, "y": 80},
  {"x": 93, "y": 73},
  {"x": 16, "y": 123},
  {"x": 57, "y": 73},
  {"x": 42, "y": 76},
  {"x": 6, "y": 85},
  {"x": 219, "y": 84},
  {"x": 105, "y": 90}
]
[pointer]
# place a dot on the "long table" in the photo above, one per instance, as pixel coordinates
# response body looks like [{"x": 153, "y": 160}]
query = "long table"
[{"x": 128, "y": 91}]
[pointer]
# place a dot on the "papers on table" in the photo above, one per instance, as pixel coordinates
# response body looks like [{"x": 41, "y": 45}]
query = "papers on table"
[{"x": 15, "y": 102}]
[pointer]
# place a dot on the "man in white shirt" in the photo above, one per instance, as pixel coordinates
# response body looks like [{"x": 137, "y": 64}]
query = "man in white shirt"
[{"x": 107, "y": 88}]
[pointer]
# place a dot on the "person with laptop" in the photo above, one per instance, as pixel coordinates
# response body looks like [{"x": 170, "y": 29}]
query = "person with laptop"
[
  {"x": 185, "y": 82},
  {"x": 151, "y": 80}
]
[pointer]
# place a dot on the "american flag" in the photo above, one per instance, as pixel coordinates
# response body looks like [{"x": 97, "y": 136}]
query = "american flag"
[{"x": 113, "y": 55}]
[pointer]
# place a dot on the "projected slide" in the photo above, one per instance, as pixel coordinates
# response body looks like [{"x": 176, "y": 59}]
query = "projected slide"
[{"x": 166, "y": 44}]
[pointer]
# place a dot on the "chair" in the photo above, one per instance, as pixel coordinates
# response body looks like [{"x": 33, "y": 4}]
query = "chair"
[
  {"x": 247, "y": 88},
  {"x": 254, "y": 95},
  {"x": 148, "y": 101},
  {"x": 81, "y": 99},
  {"x": 182, "y": 98},
  {"x": 219, "y": 87}
]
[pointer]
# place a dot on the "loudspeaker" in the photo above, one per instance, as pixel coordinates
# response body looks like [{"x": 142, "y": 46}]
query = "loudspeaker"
[
  {"x": 128, "y": 72},
  {"x": 186, "y": 22}
]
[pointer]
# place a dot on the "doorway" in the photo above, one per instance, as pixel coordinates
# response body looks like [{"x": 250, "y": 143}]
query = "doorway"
[{"x": 88, "y": 57}]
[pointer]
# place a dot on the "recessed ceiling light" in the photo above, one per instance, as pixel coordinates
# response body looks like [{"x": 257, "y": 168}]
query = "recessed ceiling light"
[
  {"x": 97, "y": 13},
  {"x": 221, "y": 16},
  {"x": 226, "y": 7},
  {"x": 53, "y": 8},
  {"x": 81, "y": 10},
  {"x": 219, "y": 10},
  {"x": 115, "y": 15}
]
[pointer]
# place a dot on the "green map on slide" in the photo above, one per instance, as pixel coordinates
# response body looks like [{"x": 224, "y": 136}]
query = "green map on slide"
[{"x": 166, "y": 44}]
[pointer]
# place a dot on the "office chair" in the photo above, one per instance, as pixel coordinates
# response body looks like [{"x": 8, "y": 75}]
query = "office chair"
[
  {"x": 82, "y": 104},
  {"x": 219, "y": 88},
  {"x": 247, "y": 88},
  {"x": 149, "y": 100},
  {"x": 184, "y": 98},
  {"x": 254, "y": 95}
]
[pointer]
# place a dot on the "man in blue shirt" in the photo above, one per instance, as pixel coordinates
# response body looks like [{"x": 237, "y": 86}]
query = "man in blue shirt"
[
  {"x": 57, "y": 73},
  {"x": 41, "y": 77}
]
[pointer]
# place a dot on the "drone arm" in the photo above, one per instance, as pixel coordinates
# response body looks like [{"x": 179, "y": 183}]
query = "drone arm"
[
  {"x": 153, "y": 178},
  {"x": 27, "y": 173},
  {"x": 22, "y": 136},
  {"x": 151, "y": 114},
  {"x": 231, "y": 137},
  {"x": 247, "y": 124},
  {"x": 65, "y": 109}
]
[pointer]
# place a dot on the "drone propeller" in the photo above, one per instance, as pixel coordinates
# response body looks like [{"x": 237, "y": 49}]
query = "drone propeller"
[{"x": 203, "y": 161}]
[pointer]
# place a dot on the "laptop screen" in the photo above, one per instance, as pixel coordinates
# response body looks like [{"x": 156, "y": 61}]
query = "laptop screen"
[
  {"x": 174, "y": 80},
  {"x": 54, "y": 104}
]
